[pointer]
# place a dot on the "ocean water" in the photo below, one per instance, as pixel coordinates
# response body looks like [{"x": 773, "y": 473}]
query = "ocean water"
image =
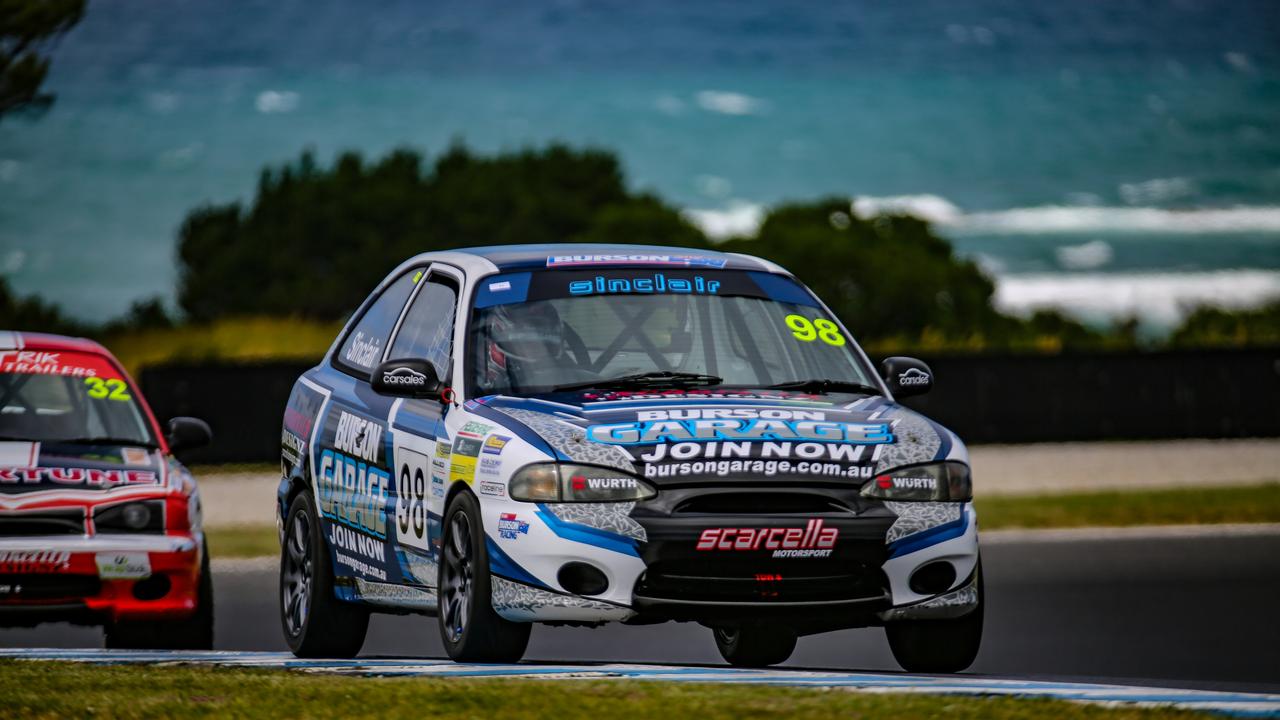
[{"x": 1106, "y": 157}]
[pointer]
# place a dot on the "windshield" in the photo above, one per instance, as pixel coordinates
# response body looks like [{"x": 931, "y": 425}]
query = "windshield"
[
  {"x": 70, "y": 397},
  {"x": 536, "y": 332}
]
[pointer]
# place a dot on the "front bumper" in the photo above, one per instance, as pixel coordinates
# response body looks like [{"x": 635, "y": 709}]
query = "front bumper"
[
  {"x": 93, "y": 580},
  {"x": 650, "y": 553}
]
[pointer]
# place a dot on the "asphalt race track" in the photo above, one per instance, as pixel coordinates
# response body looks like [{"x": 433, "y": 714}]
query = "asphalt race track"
[{"x": 1194, "y": 612}]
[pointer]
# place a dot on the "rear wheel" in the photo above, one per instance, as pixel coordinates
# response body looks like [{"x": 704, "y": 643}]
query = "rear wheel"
[
  {"x": 193, "y": 633},
  {"x": 938, "y": 646},
  {"x": 755, "y": 645},
  {"x": 469, "y": 627},
  {"x": 315, "y": 622}
]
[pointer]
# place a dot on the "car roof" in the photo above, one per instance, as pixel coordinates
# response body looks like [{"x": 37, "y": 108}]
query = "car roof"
[
  {"x": 14, "y": 340},
  {"x": 526, "y": 257}
]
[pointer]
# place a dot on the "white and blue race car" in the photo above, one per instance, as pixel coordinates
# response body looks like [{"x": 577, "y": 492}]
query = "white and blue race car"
[{"x": 582, "y": 434}]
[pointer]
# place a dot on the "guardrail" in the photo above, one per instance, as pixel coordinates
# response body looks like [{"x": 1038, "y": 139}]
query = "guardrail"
[{"x": 983, "y": 398}]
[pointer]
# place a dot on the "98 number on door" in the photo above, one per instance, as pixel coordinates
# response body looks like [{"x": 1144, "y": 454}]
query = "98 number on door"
[{"x": 413, "y": 485}]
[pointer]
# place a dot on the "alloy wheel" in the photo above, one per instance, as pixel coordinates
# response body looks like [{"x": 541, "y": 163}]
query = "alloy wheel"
[
  {"x": 458, "y": 577},
  {"x": 296, "y": 588}
]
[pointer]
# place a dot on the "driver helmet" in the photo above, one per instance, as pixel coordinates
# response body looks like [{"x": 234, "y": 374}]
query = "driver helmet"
[{"x": 529, "y": 332}]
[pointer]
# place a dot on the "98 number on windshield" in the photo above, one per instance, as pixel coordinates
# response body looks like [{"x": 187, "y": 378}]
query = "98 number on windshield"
[{"x": 807, "y": 330}]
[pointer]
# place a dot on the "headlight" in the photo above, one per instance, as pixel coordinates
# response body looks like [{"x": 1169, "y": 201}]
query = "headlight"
[
  {"x": 559, "y": 482},
  {"x": 146, "y": 516},
  {"x": 938, "y": 482}
]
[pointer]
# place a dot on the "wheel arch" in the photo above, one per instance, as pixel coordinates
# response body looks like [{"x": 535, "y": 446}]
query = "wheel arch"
[
  {"x": 458, "y": 486},
  {"x": 293, "y": 483}
]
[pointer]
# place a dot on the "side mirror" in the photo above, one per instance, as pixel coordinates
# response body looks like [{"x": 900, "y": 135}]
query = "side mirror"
[
  {"x": 906, "y": 376},
  {"x": 407, "y": 378},
  {"x": 187, "y": 433}
]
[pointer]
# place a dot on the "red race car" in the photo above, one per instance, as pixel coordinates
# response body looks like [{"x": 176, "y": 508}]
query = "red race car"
[{"x": 99, "y": 523}]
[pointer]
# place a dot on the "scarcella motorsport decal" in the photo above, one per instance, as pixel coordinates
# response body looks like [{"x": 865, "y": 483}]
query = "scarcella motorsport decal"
[
  {"x": 757, "y": 441},
  {"x": 813, "y": 540}
]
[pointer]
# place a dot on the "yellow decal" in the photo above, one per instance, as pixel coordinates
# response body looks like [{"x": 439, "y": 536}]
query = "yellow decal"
[
  {"x": 806, "y": 330},
  {"x": 111, "y": 389}
]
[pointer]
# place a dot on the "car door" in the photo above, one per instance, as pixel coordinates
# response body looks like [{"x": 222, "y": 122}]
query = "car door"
[
  {"x": 420, "y": 444},
  {"x": 353, "y": 461}
]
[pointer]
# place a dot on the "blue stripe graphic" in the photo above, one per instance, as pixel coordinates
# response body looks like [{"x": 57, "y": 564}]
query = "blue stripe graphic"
[
  {"x": 501, "y": 563},
  {"x": 586, "y": 534},
  {"x": 932, "y": 536},
  {"x": 520, "y": 429}
]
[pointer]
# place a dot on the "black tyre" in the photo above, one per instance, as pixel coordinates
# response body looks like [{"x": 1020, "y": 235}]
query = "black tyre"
[
  {"x": 315, "y": 622},
  {"x": 192, "y": 633},
  {"x": 755, "y": 645},
  {"x": 469, "y": 627},
  {"x": 938, "y": 646}
]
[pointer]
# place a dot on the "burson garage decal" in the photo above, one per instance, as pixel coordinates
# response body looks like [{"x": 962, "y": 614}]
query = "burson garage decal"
[
  {"x": 743, "y": 435},
  {"x": 763, "y": 442},
  {"x": 644, "y": 433},
  {"x": 352, "y": 485}
]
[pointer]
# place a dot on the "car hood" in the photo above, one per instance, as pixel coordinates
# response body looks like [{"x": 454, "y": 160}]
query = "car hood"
[
  {"x": 28, "y": 468},
  {"x": 748, "y": 436}
]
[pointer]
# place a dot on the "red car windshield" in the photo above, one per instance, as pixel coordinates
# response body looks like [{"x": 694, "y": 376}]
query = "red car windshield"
[{"x": 68, "y": 397}]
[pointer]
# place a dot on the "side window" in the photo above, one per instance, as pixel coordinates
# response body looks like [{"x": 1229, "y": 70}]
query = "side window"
[
  {"x": 427, "y": 331},
  {"x": 362, "y": 349}
]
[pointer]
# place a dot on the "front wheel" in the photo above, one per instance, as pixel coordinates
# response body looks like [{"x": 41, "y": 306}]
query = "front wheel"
[
  {"x": 315, "y": 622},
  {"x": 938, "y": 646},
  {"x": 755, "y": 645},
  {"x": 469, "y": 627}
]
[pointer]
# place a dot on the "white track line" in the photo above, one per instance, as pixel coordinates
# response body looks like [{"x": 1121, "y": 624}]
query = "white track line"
[{"x": 1231, "y": 703}]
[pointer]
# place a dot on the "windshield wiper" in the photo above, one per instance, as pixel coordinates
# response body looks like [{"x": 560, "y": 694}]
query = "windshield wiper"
[
  {"x": 104, "y": 440},
  {"x": 825, "y": 386},
  {"x": 658, "y": 378}
]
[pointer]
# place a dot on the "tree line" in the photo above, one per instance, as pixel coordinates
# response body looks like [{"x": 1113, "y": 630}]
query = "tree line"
[{"x": 314, "y": 240}]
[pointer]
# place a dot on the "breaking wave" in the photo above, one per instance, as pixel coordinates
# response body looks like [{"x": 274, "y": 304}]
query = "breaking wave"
[
  {"x": 1039, "y": 220},
  {"x": 736, "y": 220},
  {"x": 1075, "y": 218},
  {"x": 1163, "y": 298}
]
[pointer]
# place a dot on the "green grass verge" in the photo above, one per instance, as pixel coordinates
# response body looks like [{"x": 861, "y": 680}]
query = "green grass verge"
[
  {"x": 1119, "y": 508},
  {"x": 242, "y": 541},
  {"x": 202, "y": 471},
  {"x": 1183, "y": 506},
  {"x": 58, "y": 690},
  {"x": 1247, "y": 504}
]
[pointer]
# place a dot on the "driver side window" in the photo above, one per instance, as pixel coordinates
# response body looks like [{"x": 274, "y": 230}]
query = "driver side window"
[{"x": 362, "y": 348}]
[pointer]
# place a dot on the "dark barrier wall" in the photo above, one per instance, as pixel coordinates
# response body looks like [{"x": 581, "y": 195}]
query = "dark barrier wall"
[
  {"x": 985, "y": 399},
  {"x": 243, "y": 404},
  {"x": 1015, "y": 399}
]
